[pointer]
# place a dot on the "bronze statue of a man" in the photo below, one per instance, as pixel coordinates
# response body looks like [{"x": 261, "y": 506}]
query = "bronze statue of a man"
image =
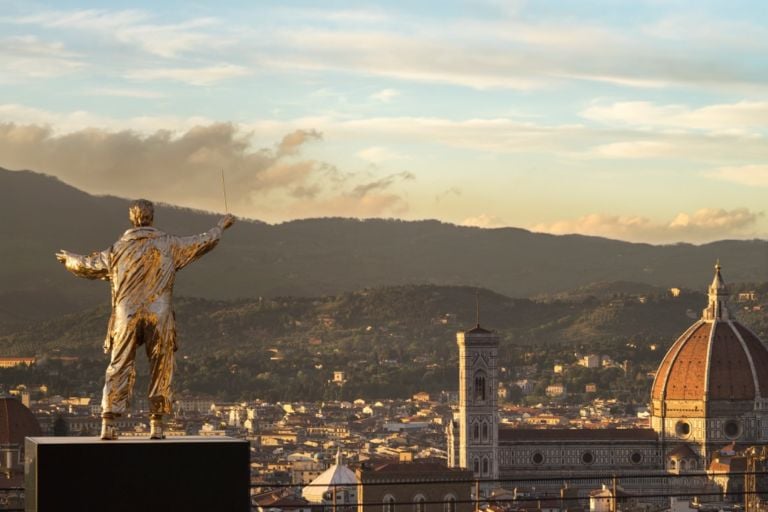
[{"x": 141, "y": 267}]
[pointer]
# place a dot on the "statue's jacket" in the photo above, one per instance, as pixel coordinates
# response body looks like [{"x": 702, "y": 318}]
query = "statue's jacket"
[{"x": 141, "y": 267}]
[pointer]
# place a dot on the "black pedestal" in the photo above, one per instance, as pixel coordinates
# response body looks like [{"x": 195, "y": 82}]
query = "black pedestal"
[{"x": 183, "y": 473}]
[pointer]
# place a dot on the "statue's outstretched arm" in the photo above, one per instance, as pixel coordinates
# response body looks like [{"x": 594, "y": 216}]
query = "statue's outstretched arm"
[
  {"x": 187, "y": 249},
  {"x": 92, "y": 266}
]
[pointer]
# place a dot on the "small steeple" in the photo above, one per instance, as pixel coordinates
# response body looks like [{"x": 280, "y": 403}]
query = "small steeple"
[
  {"x": 338, "y": 456},
  {"x": 477, "y": 307},
  {"x": 717, "y": 309}
]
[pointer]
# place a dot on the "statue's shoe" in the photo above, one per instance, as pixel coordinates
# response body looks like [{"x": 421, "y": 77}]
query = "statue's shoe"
[
  {"x": 108, "y": 431},
  {"x": 156, "y": 429}
]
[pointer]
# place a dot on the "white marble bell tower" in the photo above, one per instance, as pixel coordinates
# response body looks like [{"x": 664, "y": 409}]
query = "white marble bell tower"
[{"x": 478, "y": 414}]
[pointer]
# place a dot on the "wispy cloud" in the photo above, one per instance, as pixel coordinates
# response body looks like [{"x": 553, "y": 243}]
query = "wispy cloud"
[
  {"x": 31, "y": 57},
  {"x": 636, "y": 149},
  {"x": 729, "y": 117},
  {"x": 484, "y": 220},
  {"x": 378, "y": 154},
  {"x": 447, "y": 193},
  {"x": 511, "y": 52},
  {"x": 62, "y": 123},
  {"x": 208, "y": 75},
  {"x": 385, "y": 95},
  {"x": 121, "y": 92},
  {"x": 703, "y": 225},
  {"x": 130, "y": 27}
]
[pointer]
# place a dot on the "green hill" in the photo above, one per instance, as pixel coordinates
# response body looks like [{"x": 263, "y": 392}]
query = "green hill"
[{"x": 390, "y": 341}]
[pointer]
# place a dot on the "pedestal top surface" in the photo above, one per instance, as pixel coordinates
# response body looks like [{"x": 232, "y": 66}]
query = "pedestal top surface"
[{"x": 136, "y": 440}]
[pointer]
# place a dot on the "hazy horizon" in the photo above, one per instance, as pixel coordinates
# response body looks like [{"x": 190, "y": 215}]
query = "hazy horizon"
[{"x": 299, "y": 219}]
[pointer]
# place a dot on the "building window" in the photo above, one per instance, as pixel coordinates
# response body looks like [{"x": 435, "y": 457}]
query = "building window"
[
  {"x": 537, "y": 458},
  {"x": 683, "y": 428},
  {"x": 732, "y": 429},
  {"x": 476, "y": 466},
  {"x": 485, "y": 465},
  {"x": 636, "y": 458},
  {"x": 449, "y": 503},
  {"x": 389, "y": 503},
  {"x": 485, "y": 431},
  {"x": 480, "y": 386},
  {"x": 476, "y": 432},
  {"x": 587, "y": 458},
  {"x": 419, "y": 503}
]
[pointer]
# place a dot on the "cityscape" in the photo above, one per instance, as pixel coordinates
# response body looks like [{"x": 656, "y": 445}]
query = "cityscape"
[{"x": 463, "y": 256}]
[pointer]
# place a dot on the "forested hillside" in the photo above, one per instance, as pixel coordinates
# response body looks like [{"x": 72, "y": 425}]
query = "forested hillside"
[{"x": 390, "y": 341}]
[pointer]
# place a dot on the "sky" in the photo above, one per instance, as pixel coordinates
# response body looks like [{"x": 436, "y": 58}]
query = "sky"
[{"x": 637, "y": 120}]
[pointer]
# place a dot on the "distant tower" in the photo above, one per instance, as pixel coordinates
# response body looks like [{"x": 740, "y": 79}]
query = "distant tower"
[{"x": 478, "y": 415}]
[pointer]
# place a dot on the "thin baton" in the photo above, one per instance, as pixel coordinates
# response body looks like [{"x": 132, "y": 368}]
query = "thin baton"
[{"x": 224, "y": 188}]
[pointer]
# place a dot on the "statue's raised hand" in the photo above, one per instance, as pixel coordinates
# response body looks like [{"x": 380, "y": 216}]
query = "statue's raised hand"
[
  {"x": 226, "y": 221},
  {"x": 62, "y": 256}
]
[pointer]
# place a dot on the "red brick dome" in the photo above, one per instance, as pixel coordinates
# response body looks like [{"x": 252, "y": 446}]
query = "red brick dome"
[
  {"x": 717, "y": 358},
  {"x": 16, "y": 422}
]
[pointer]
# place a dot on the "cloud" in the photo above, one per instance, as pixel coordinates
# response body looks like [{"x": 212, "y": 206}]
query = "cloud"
[
  {"x": 30, "y": 57},
  {"x": 518, "y": 49},
  {"x": 715, "y": 219},
  {"x": 183, "y": 168},
  {"x": 125, "y": 92},
  {"x": 519, "y": 52},
  {"x": 385, "y": 95},
  {"x": 378, "y": 154},
  {"x": 69, "y": 122},
  {"x": 635, "y": 149},
  {"x": 500, "y": 135},
  {"x": 727, "y": 117},
  {"x": 750, "y": 175},
  {"x": 86, "y": 19},
  {"x": 703, "y": 225},
  {"x": 291, "y": 143},
  {"x": 353, "y": 16},
  {"x": 207, "y": 75},
  {"x": 381, "y": 184},
  {"x": 370, "y": 198},
  {"x": 484, "y": 220},
  {"x": 130, "y": 27},
  {"x": 709, "y": 149},
  {"x": 445, "y": 194}
]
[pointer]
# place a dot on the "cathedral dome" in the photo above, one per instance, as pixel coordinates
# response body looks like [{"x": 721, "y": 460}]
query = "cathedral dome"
[
  {"x": 338, "y": 477},
  {"x": 716, "y": 359},
  {"x": 16, "y": 422}
]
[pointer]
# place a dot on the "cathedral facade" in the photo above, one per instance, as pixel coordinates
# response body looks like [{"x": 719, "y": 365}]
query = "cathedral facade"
[{"x": 711, "y": 390}]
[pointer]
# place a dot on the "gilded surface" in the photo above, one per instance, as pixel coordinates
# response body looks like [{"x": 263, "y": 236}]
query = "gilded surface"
[{"x": 141, "y": 267}]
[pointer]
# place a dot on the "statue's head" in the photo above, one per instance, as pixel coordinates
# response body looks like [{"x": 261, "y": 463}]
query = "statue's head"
[{"x": 141, "y": 213}]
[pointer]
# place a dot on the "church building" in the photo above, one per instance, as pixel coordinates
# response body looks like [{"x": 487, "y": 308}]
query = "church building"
[{"x": 711, "y": 390}]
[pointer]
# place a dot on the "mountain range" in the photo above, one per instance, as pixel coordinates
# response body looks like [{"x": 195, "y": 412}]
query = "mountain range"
[{"x": 327, "y": 256}]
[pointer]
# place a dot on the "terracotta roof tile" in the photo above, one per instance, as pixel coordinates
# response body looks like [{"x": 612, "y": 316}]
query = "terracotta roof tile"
[
  {"x": 685, "y": 378},
  {"x": 730, "y": 375},
  {"x": 684, "y": 368},
  {"x": 759, "y": 355}
]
